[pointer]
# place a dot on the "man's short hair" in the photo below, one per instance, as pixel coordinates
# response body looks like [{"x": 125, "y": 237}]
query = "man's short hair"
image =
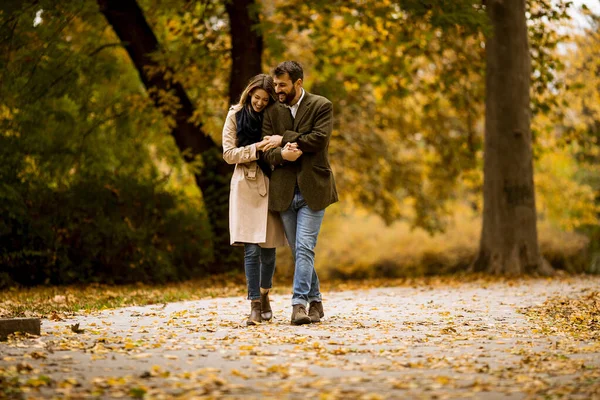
[{"x": 292, "y": 68}]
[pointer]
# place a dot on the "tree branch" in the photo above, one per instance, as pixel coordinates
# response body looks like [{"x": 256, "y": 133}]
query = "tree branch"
[{"x": 106, "y": 46}]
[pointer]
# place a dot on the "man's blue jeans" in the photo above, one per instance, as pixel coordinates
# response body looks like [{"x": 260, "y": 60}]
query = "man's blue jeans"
[
  {"x": 259, "y": 264},
  {"x": 302, "y": 226}
]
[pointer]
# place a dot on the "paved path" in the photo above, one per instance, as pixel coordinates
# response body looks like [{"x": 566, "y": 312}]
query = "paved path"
[{"x": 460, "y": 341}]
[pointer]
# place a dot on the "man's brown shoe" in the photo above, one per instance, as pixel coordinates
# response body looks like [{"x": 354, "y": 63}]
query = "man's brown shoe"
[
  {"x": 255, "y": 318},
  {"x": 299, "y": 315},
  {"x": 265, "y": 306},
  {"x": 315, "y": 312}
]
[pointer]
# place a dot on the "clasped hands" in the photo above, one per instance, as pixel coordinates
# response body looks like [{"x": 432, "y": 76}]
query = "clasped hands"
[{"x": 290, "y": 152}]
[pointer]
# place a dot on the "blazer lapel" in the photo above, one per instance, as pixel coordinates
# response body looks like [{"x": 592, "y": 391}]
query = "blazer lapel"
[
  {"x": 302, "y": 109},
  {"x": 288, "y": 123}
]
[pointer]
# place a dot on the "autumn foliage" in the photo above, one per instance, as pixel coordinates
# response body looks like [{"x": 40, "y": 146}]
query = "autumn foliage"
[{"x": 95, "y": 189}]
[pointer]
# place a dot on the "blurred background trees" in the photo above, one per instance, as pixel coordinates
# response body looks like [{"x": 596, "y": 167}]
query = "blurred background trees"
[{"x": 96, "y": 184}]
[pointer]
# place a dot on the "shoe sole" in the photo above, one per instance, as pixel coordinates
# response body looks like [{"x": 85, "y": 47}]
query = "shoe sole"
[{"x": 301, "y": 321}]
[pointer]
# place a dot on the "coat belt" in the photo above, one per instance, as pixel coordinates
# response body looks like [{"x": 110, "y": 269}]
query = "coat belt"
[{"x": 250, "y": 173}]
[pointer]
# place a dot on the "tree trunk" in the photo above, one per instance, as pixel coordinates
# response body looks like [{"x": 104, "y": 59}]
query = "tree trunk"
[
  {"x": 509, "y": 241},
  {"x": 246, "y": 45},
  {"x": 129, "y": 23}
]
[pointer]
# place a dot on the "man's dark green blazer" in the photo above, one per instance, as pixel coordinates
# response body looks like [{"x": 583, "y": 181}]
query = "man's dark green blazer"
[{"x": 311, "y": 129}]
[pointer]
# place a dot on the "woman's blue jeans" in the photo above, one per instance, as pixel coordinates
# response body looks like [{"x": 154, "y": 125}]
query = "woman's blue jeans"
[{"x": 259, "y": 264}]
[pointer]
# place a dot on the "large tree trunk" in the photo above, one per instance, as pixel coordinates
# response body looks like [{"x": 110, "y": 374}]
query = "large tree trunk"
[
  {"x": 246, "y": 45},
  {"x": 509, "y": 241},
  {"x": 129, "y": 23}
]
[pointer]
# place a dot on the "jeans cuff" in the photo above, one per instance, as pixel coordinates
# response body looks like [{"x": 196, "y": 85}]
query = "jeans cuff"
[
  {"x": 317, "y": 298},
  {"x": 299, "y": 301}
]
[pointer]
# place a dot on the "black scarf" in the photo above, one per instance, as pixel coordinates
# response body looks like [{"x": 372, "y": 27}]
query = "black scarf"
[
  {"x": 249, "y": 126},
  {"x": 249, "y": 131}
]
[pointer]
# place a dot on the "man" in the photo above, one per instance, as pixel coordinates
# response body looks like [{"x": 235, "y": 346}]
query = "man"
[{"x": 302, "y": 183}]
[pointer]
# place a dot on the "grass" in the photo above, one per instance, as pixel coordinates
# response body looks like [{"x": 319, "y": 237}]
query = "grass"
[{"x": 45, "y": 301}]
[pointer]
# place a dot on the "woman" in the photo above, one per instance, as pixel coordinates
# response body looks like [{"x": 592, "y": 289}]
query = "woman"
[{"x": 250, "y": 221}]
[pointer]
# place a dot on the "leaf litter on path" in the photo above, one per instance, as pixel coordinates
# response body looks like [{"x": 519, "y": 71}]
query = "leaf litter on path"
[{"x": 519, "y": 339}]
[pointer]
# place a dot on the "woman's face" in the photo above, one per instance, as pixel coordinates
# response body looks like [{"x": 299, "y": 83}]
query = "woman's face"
[{"x": 259, "y": 99}]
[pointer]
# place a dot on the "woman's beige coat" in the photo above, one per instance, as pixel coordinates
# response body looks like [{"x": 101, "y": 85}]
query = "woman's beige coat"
[{"x": 250, "y": 220}]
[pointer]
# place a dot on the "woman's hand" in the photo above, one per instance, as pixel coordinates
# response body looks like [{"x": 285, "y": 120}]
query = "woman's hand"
[
  {"x": 261, "y": 145},
  {"x": 273, "y": 141}
]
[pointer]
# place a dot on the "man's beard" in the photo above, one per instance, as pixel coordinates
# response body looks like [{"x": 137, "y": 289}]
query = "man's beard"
[{"x": 288, "y": 97}]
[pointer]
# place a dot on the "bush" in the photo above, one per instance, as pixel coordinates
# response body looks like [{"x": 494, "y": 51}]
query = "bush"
[
  {"x": 110, "y": 230},
  {"x": 361, "y": 246}
]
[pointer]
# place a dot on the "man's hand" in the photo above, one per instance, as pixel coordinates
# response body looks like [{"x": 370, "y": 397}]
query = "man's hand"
[
  {"x": 291, "y": 152},
  {"x": 273, "y": 141}
]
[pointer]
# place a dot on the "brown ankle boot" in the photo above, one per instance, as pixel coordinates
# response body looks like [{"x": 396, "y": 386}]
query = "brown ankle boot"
[
  {"x": 299, "y": 315},
  {"x": 315, "y": 311},
  {"x": 254, "y": 318},
  {"x": 265, "y": 305}
]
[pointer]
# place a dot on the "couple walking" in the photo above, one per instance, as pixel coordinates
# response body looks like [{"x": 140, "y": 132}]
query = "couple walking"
[{"x": 278, "y": 138}]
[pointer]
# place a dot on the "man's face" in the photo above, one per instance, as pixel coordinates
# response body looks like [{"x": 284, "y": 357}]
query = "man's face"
[{"x": 285, "y": 88}]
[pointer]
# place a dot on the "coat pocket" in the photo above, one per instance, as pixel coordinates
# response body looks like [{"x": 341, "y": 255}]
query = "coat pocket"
[{"x": 322, "y": 170}]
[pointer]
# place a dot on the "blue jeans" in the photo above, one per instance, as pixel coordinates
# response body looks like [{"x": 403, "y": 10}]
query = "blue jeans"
[
  {"x": 259, "y": 264},
  {"x": 302, "y": 225}
]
